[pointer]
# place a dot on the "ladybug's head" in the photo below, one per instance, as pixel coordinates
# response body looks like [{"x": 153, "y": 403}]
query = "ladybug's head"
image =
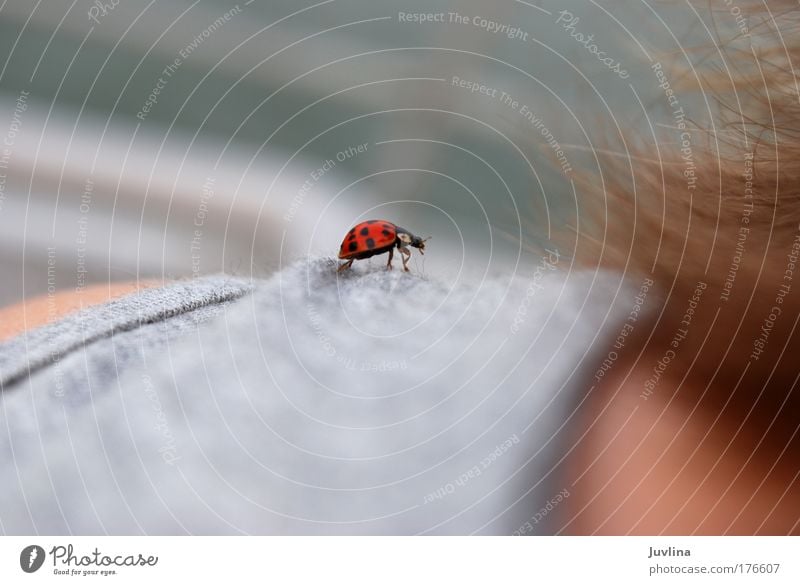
[
  {"x": 409, "y": 239},
  {"x": 419, "y": 243}
]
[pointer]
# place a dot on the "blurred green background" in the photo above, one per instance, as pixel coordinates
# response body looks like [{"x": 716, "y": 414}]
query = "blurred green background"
[{"x": 108, "y": 181}]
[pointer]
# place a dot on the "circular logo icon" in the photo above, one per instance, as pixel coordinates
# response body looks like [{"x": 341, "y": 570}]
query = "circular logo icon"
[{"x": 31, "y": 558}]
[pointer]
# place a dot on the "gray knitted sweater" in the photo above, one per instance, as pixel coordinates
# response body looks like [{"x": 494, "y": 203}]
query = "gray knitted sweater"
[{"x": 361, "y": 403}]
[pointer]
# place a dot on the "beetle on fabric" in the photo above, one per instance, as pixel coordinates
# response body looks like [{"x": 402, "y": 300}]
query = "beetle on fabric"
[{"x": 377, "y": 236}]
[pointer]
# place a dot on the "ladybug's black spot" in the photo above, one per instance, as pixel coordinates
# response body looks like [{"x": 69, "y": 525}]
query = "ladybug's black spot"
[
  {"x": 353, "y": 246},
  {"x": 386, "y": 233},
  {"x": 352, "y": 237},
  {"x": 386, "y": 226},
  {"x": 370, "y": 243},
  {"x": 365, "y": 231}
]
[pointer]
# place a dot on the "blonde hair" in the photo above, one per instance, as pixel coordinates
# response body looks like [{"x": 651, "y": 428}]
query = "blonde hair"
[{"x": 681, "y": 220}]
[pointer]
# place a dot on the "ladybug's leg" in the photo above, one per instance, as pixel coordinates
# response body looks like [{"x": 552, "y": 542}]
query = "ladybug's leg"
[
  {"x": 406, "y": 257},
  {"x": 391, "y": 255},
  {"x": 346, "y": 265}
]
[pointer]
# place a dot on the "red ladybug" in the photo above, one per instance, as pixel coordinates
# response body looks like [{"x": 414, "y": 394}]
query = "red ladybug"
[{"x": 377, "y": 236}]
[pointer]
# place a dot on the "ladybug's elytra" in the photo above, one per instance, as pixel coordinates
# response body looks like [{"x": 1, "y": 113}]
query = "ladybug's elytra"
[{"x": 377, "y": 236}]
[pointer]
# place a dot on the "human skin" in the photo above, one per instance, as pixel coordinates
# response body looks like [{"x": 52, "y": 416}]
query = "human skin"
[
  {"x": 713, "y": 448},
  {"x": 679, "y": 463}
]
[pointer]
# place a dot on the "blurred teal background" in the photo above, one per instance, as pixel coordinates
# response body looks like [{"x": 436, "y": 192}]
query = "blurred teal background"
[{"x": 108, "y": 181}]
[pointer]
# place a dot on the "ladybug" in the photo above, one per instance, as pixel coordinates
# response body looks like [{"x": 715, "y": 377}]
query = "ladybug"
[{"x": 377, "y": 236}]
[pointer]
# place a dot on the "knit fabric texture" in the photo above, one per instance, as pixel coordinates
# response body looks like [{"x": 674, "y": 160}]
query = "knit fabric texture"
[{"x": 313, "y": 402}]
